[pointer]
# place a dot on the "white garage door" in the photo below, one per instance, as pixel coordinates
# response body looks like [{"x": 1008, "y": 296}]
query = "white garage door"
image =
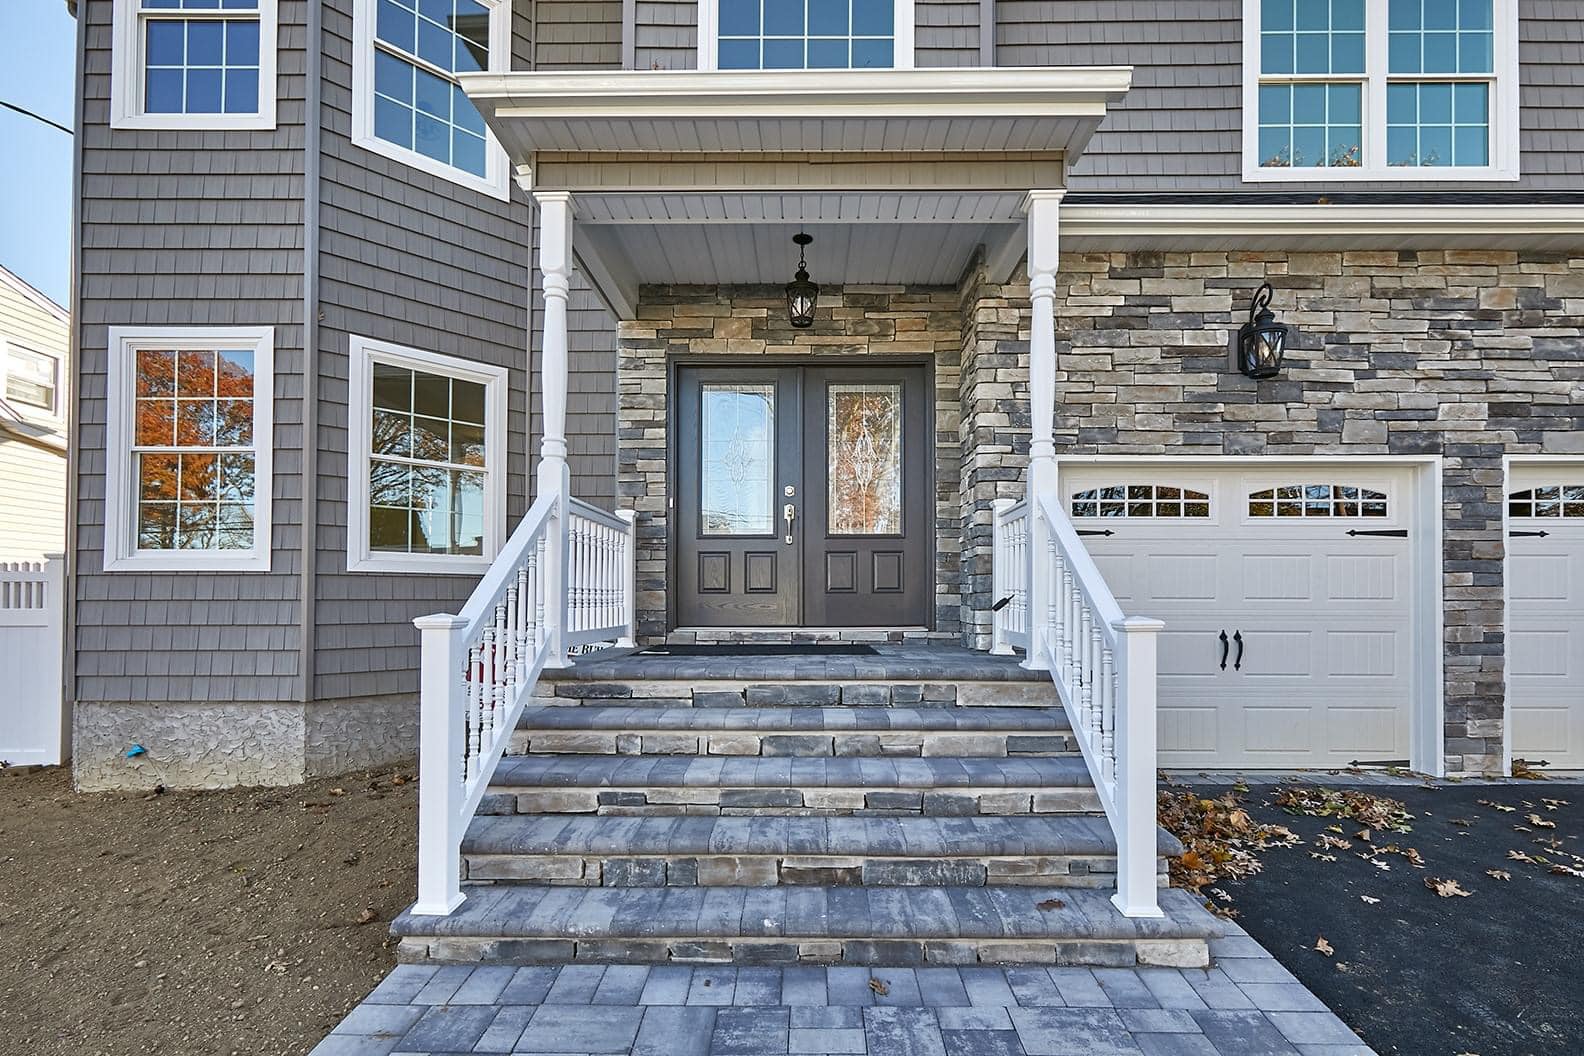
[
  {"x": 1545, "y": 595},
  {"x": 1305, "y": 571}
]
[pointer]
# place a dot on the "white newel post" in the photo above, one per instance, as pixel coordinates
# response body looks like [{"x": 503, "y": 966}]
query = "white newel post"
[
  {"x": 1137, "y": 894},
  {"x": 555, "y": 268},
  {"x": 440, "y": 762},
  {"x": 1044, "y": 230},
  {"x": 629, "y": 580},
  {"x": 999, "y": 579}
]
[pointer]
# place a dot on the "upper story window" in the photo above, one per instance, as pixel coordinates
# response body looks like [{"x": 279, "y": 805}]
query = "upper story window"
[
  {"x": 1380, "y": 90},
  {"x": 201, "y": 64},
  {"x": 188, "y": 452},
  {"x": 406, "y": 101},
  {"x": 806, "y": 34},
  {"x": 32, "y": 379}
]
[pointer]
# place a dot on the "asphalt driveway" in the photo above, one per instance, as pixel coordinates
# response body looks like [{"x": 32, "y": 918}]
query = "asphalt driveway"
[{"x": 1496, "y": 972}]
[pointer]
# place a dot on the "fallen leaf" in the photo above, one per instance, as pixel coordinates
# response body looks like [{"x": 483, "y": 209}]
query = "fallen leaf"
[
  {"x": 1519, "y": 856},
  {"x": 1364, "y": 835},
  {"x": 367, "y": 916},
  {"x": 1368, "y": 901},
  {"x": 880, "y": 987},
  {"x": 1446, "y": 888},
  {"x": 1498, "y": 874},
  {"x": 1324, "y": 947},
  {"x": 1317, "y": 856},
  {"x": 1540, "y": 823},
  {"x": 1049, "y": 904}
]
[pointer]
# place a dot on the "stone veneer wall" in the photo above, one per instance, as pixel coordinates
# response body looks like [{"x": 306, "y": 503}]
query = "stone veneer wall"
[
  {"x": 1466, "y": 355},
  {"x": 750, "y": 321}
]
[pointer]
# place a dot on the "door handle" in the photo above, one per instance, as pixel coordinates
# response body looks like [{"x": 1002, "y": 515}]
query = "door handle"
[
  {"x": 789, "y": 514},
  {"x": 1225, "y": 648},
  {"x": 1237, "y": 665}
]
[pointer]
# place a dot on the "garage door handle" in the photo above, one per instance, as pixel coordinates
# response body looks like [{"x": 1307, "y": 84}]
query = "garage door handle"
[
  {"x": 1237, "y": 665},
  {"x": 1225, "y": 649}
]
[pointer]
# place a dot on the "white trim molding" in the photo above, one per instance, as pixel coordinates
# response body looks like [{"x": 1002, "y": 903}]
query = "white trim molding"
[
  {"x": 496, "y": 181},
  {"x": 362, "y": 353},
  {"x": 127, "y": 54},
  {"x": 121, "y": 551},
  {"x": 1504, "y": 113},
  {"x": 902, "y": 35}
]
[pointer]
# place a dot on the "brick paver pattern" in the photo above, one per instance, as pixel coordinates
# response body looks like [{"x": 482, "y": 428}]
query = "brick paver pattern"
[{"x": 1246, "y": 1004}]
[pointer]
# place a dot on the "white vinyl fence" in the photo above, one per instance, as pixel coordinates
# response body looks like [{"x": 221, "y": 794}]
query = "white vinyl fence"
[{"x": 34, "y": 726}]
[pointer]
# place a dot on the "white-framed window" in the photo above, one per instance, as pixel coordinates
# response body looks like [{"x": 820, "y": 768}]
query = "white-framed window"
[
  {"x": 426, "y": 460},
  {"x": 1380, "y": 90},
  {"x": 188, "y": 448},
  {"x": 199, "y": 64},
  {"x": 406, "y": 102},
  {"x": 31, "y": 380},
  {"x": 1141, "y": 500},
  {"x": 805, "y": 34}
]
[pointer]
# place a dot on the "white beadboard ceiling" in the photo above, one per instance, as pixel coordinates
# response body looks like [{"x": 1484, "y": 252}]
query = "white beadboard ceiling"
[
  {"x": 926, "y": 254},
  {"x": 847, "y": 207}
]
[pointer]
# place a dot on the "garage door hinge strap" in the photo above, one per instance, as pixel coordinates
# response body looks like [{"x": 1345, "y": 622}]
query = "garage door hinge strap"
[
  {"x": 1394, "y": 533},
  {"x": 1528, "y": 535}
]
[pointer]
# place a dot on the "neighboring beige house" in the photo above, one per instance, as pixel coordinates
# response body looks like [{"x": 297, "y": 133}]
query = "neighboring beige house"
[{"x": 34, "y": 365}]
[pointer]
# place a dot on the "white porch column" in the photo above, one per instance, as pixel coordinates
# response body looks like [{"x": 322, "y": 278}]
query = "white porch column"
[
  {"x": 1044, "y": 227},
  {"x": 555, "y": 268}
]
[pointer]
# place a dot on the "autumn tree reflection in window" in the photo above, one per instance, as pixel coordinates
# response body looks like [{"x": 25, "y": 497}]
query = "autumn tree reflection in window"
[
  {"x": 193, "y": 449},
  {"x": 865, "y": 448}
]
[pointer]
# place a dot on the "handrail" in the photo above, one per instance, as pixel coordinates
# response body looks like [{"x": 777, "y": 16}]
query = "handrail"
[
  {"x": 1103, "y": 663},
  {"x": 565, "y": 577}
]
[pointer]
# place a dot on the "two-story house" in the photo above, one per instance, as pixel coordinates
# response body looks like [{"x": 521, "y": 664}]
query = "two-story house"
[{"x": 929, "y": 324}]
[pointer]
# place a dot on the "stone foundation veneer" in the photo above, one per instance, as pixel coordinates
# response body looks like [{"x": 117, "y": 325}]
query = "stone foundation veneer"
[{"x": 222, "y": 745}]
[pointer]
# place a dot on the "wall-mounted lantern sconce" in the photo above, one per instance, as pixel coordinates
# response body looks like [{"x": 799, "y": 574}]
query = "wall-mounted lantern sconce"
[
  {"x": 1262, "y": 340},
  {"x": 801, "y": 294}
]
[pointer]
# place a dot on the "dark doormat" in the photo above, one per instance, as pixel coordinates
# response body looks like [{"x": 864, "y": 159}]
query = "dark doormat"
[{"x": 763, "y": 649}]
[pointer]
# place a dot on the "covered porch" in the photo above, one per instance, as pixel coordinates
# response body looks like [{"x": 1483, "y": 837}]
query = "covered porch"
[{"x": 932, "y": 198}]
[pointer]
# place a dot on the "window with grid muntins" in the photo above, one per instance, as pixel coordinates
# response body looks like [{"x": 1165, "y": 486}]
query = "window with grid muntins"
[
  {"x": 1547, "y": 500},
  {"x": 806, "y": 34},
  {"x": 1141, "y": 500},
  {"x": 193, "y": 449},
  {"x": 1318, "y": 500},
  {"x": 1381, "y": 88},
  {"x": 419, "y": 48},
  {"x": 427, "y": 463},
  {"x": 31, "y": 377},
  {"x": 200, "y": 56}
]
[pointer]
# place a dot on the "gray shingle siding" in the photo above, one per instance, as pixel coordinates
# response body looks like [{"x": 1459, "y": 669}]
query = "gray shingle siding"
[
  {"x": 183, "y": 229},
  {"x": 665, "y": 35},
  {"x": 578, "y": 34},
  {"x": 946, "y": 33},
  {"x": 1180, "y": 127}
]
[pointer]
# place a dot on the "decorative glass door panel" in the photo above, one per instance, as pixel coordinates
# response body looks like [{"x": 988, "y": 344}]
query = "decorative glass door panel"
[{"x": 801, "y": 497}]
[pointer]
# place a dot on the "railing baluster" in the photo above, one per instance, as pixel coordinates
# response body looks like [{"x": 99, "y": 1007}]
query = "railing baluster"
[{"x": 1107, "y": 713}]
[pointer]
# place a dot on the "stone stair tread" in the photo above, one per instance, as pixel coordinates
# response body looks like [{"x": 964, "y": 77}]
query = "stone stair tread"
[
  {"x": 934, "y": 662},
  {"x": 905, "y": 913},
  {"x": 872, "y": 773},
  {"x": 833, "y": 719},
  {"x": 873, "y": 837}
]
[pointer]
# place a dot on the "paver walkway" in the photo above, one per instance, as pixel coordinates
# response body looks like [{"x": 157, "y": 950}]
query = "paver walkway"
[{"x": 1247, "y": 1005}]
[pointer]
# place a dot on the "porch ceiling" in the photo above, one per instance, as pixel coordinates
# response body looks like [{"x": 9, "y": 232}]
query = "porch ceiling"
[{"x": 1003, "y": 109}]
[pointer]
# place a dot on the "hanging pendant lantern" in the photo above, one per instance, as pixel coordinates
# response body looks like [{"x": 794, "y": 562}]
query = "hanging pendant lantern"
[
  {"x": 801, "y": 294},
  {"x": 1262, "y": 340}
]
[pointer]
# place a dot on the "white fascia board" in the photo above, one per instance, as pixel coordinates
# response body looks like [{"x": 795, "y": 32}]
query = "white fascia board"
[
  {"x": 1043, "y": 92},
  {"x": 1290, "y": 225}
]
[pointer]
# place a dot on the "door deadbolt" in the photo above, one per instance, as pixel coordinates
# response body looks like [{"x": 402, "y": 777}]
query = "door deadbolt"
[{"x": 789, "y": 491}]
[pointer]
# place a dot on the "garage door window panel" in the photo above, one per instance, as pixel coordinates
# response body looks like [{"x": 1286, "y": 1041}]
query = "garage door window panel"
[
  {"x": 1141, "y": 500},
  {"x": 1318, "y": 500},
  {"x": 1550, "y": 500}
]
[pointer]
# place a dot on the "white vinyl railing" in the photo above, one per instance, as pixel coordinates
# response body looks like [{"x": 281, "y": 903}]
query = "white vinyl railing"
[
  {"x": 1104, "y": 665},
  {"x": 1009, "y": 577},
  {"x": 565, "y": 577}
]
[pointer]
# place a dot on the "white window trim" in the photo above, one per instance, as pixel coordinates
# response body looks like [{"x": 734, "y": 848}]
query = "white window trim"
[
  {"x": 1504, "y": 107},
  {"x": 709, "y": 38},
  {"x": 54, "y": 416},
  {"x": 497, "y": 167},
  {"x": 126, "y": 74},
  {"x": 362, "y": 353},
  {"x": 121, "y": 553}
]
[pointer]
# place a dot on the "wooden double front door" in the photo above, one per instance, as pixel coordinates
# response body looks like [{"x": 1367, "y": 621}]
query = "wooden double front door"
[{"x": 802, "y": 497}]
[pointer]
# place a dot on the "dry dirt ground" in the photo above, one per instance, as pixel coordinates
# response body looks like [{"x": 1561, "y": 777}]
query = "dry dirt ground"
[{"x": 247, "y": 921}]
